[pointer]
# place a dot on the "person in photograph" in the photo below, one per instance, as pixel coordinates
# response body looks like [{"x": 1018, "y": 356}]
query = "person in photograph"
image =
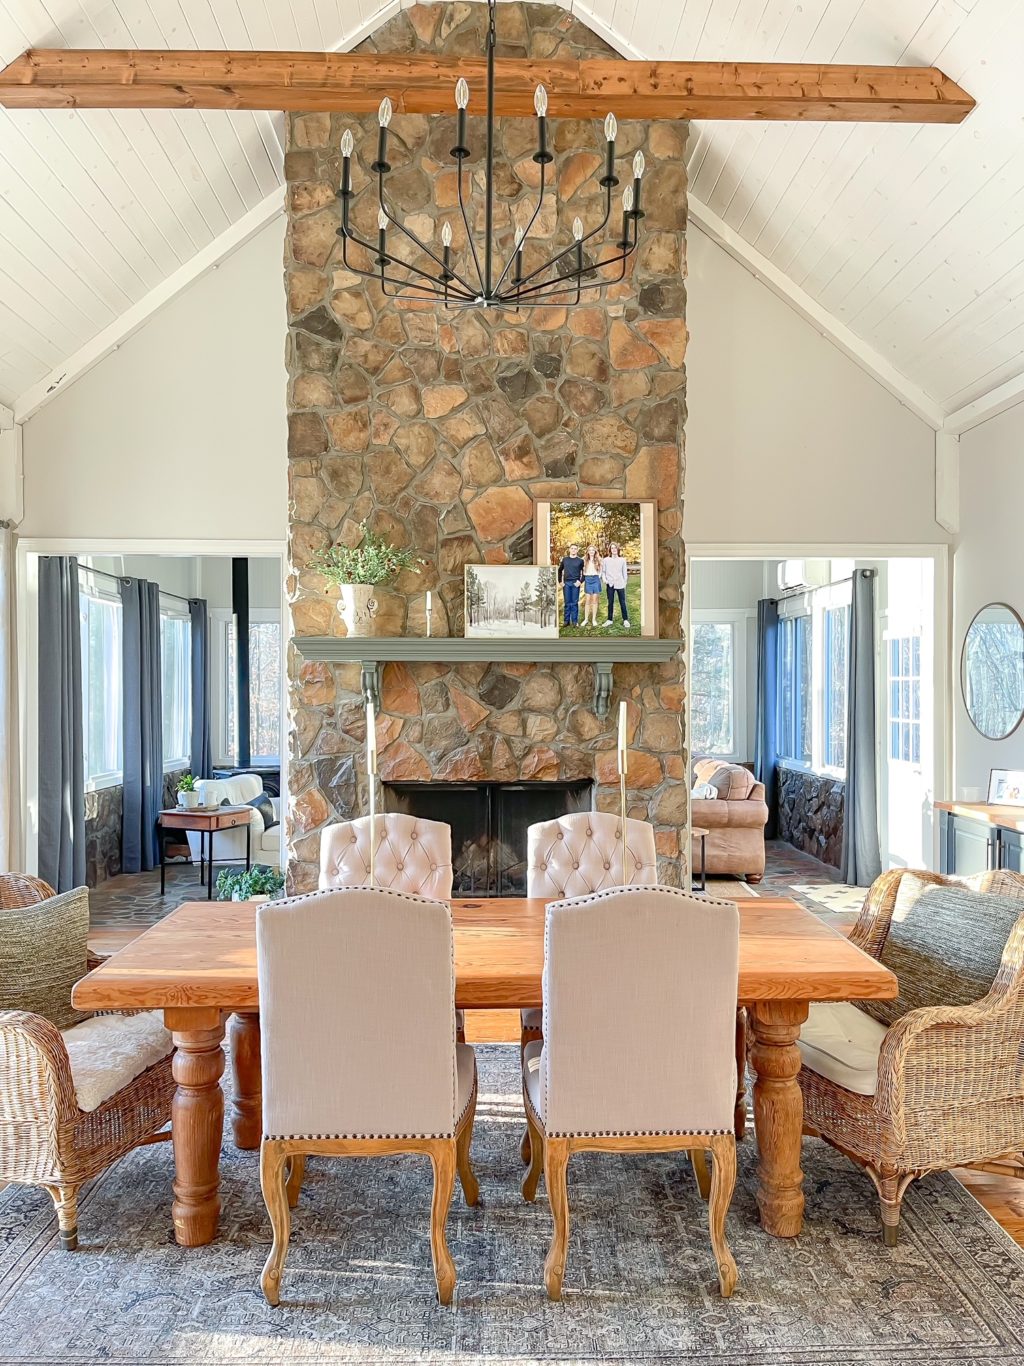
[
  {"x": 570, "y": 576},
  {"x": 613, "y": 574},
  {"x": 591, "y": 585}
]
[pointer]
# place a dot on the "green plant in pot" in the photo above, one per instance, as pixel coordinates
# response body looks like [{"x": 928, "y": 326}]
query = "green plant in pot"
[
  {"x": 258, "y": 884},
  {"x": 188, "y": 797},
  {"x": 363, "y": 573}
]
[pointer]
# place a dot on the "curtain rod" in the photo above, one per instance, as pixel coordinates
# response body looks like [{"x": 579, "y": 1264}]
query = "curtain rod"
[{"x": 116, "y": 578}]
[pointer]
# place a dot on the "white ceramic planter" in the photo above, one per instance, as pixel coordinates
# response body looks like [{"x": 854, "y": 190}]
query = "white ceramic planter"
[
  {"x": 188, "y": 800},
  {"x": 368, "y": 610}
]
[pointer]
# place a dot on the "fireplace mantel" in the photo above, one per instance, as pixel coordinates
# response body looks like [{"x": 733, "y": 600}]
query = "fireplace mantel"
[{"x": 372, "y": 653}]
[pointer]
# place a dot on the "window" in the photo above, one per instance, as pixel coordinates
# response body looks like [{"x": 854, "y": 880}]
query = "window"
[
  {"x": 905, "y": 699},
  {"x": 713, "y": 688},
  {"x": 796, "y": 710},
  {"x": 176, "y": 685},
  {"x": 837, "y": 624},
  {"x": 264, "y": 690},
  {"x": 100, "y": 620}
]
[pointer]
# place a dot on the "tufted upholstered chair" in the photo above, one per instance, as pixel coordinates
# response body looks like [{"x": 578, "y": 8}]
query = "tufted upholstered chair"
[
  {"x": 632, "y": 976},
  {"x": 412, "y": 855},
  {"x": 333, "y": 1087}
]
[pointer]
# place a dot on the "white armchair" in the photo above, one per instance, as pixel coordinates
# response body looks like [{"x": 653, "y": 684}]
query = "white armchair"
[
  {"x": 631, "y": 978},
  {"x": 230, "y": 844},
  {"x": 412, "y": 855},
  {"x": 333, "y": 1088}
]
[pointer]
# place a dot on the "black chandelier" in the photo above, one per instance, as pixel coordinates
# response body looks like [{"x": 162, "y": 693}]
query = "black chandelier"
[{"x": 479, "y": 283}]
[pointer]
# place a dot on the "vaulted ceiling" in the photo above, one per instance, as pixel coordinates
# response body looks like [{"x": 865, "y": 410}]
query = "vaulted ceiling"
[{"x": 905, "y": 243}]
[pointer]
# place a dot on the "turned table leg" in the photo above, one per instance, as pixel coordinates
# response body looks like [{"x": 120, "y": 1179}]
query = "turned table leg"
[
  {"x": 197, "y": 1122},
  {"x": 778, "y": 1113},
  {"x": 247, "y": 1081}
]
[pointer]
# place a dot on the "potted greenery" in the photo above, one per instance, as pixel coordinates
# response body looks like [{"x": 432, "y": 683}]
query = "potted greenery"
[
  {"x": 258, "y": 884},
  {"x": 362, "y": 572},
  {"x": 188, "y": 797}
]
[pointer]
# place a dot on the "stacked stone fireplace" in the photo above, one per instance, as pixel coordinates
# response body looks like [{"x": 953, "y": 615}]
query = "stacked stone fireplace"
[{"x": 439, "y": 430}]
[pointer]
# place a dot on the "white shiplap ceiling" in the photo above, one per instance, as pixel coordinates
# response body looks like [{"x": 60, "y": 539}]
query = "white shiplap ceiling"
[{"x": 905, "y": 243}]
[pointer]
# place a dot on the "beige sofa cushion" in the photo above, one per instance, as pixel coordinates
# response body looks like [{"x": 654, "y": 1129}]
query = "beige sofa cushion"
[
  {"x": 43, "y": 954},
  {"x": 733, "y": 781},
  {"x": 841, "y": 1042},
  {"x": 106, "y": 1052}
]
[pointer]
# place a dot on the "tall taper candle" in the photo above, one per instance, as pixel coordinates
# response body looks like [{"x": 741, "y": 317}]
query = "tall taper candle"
[
  {"x": 371, "y": 778},
  {"x": 622, "y": 758},
  {"x": 622, "y": 745},
  {"x": 428, "y": 611}
]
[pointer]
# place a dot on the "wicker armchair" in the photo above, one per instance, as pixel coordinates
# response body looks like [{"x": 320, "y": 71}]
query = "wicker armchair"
[
  {"x": 950, "y": 1086},
  {"x": 46, "y": 1138}
]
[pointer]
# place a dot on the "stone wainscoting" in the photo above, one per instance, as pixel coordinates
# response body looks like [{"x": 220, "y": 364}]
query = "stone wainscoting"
[
  {"x": 103, "y": 828},
  {"x": 439, "y": 430},
  {"x": 811, "y": 810}
]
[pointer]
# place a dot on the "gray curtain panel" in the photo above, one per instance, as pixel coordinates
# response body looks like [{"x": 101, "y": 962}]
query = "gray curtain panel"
[
  {"x": 143, "y": 724},
  {"x": 861, "y": 861},
  {"x": 61, "y": 744},
  {"x": 766, "y": 713},
  {"x": 201, "y": 754}
]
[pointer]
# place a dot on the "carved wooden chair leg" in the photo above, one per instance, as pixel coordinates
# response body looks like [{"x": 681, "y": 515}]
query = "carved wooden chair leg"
[
  {"x": 532, "y": 1177},
  {"x": 723, "y": 1183},
  {"x": 296, "y": 1172},
  {"x": 740, "y": 1116},
  {"x": 443, "y": 1158},
  {"x": 272, "y": 1181},
  {"x": 524, "y": 1146},
  {"x": 699, "y": 1163},
  {"x": 463, "y": 1140},
  {"x": 556, "y": 1161},
  {"x": 65, "y": 1202}
]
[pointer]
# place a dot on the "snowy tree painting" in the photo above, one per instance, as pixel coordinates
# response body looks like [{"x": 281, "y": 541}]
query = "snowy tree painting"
[{"x": 511, "y": 600}]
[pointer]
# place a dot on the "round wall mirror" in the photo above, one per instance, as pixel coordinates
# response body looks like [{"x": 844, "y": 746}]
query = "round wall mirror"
[{"x": 992, "y": 670}]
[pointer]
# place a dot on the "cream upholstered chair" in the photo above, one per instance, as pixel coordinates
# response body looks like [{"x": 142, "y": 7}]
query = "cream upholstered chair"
[
  {"x": 76, "y": 1091},
  {"x": 632, "y": 977},
  {"x": 332, "y": 1087},
  {"x": 412, "y": 855},
  {"x": 935, "y": 1078}
]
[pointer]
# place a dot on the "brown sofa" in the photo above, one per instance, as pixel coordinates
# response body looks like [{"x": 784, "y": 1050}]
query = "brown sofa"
[{"x": 735, "y": 820}]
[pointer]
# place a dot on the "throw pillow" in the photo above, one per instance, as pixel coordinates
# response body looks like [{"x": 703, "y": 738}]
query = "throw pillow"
[
  {"x": 944, "y": 945},
  {"x": 265, "y": 807},
  {"x": 706, "y": 792},
  {"x": 43, "y": 953}
]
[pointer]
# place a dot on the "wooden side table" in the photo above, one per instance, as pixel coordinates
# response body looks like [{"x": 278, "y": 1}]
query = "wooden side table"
[
  {"x": 699, "y": 833},
  {"x": 205, "y": 824}
]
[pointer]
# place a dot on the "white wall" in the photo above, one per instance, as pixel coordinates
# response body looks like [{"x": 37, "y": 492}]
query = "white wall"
[
  {"x": 988, "y": 566},
  {"x": 181, "y": 433},
  {"x": 788, "y": 441}
]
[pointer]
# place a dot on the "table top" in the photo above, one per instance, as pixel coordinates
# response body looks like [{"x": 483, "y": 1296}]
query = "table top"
[
  {"x": 203, "y": 954},
  {"x": 699, "y": 831},
  {"x": 183, "y": 817},
  {"x": 1009, "y": 817}
]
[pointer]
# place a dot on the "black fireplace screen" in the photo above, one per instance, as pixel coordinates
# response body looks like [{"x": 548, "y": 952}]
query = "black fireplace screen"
[{"x": 489, "y": 823}]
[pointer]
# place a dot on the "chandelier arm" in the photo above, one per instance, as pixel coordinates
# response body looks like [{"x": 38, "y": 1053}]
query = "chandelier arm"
[
  {"x": 392, "y": 279},
  {"x": 469, "y": 231},
  {"x": 564, "y": 282},
  {"x": 526, "y": 232},
  {"x": 553, "y": 260},
  {"x": 408, "y": 232}
]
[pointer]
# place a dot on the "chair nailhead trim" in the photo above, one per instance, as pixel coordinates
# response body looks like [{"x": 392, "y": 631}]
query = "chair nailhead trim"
[
  {"x": 314, "y": 1138},
  {"x": 638, "y": 1133}
]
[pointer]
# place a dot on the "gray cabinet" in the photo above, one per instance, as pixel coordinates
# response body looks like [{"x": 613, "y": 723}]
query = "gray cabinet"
[{"x": 974, "y": 841}]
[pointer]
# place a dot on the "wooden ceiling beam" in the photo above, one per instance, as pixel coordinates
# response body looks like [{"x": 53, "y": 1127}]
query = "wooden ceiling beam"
[{"x": 75, "y": 78}]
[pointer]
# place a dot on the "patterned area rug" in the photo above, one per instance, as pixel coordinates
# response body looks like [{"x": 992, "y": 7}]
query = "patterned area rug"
[
  {"x": 788, "y": 872},
  {"x": 640, "y": 1284}
]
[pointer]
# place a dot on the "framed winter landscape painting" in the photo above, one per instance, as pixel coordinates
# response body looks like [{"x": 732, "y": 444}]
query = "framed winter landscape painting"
[{"x": 511, "y": 600}]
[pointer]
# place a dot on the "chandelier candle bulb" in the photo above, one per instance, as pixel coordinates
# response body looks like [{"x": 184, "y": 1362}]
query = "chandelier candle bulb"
[
  {"x": 540, "y": 102},
  {"x": 461, "y": 101},
  {"x": 382, "y": 233},
  {"x": 383, "y": 118},
  {"x": 627, "y": 209},
  {"x": 638, "y": 173},
  {"x": 611, "y": 128},
  {"x": 346, "y": 163}
]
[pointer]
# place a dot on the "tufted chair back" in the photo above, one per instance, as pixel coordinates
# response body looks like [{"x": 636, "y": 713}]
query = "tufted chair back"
[
  {"x": 639, "y": 1013},
  {"x": 412, "y": 855},
  {"x": 582, "y": 853}
]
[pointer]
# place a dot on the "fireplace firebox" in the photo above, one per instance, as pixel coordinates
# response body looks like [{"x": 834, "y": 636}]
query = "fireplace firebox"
[{"x": 489, "y": 823}]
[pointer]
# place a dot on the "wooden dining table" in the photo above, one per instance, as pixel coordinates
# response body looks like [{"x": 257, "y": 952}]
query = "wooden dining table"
[{"x": 198, "y": 965}]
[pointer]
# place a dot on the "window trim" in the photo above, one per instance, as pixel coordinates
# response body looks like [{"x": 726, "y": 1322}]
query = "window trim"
[
  {"x": 814, "y": 603},
  {"x": 737, "y": 618},
  {"x": 180, "y": 762},
  {"x": 111, "y": 777},
  {"x": 222, "y": 684},
  {"x": 905, "y": 631}
]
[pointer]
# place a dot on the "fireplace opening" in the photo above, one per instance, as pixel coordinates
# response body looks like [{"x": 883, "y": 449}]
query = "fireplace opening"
[{"x": 489, "y": 823}]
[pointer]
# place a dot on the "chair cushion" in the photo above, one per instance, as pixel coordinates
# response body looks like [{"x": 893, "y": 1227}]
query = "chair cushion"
[
  {"x": 840, "y": 1042},
  {"x": 944, "y": 945},
  {"x": 234, "y": 791},
  {"x": 107, "y": 1051},
  {"x": 465, "y": 1068},
  {"x": 43, "y": 953},
  {"x": 531, "y": 1074}
]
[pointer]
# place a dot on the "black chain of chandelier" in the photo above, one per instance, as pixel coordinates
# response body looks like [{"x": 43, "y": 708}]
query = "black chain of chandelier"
[{"x": 562, "y": 279}]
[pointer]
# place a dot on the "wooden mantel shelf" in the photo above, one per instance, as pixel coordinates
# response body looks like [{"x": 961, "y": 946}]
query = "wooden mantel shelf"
[{"x": 372, "y": 653}]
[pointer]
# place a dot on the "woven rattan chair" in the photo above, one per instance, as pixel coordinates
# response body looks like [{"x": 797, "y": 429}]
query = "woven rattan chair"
[
  {"x": 950, "y": 1081},
  {"x": 46, "y": 1138}
]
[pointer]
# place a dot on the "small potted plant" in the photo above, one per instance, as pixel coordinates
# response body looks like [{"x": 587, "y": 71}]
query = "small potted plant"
[
  {"x": 188, "y": 797},
  {"x": 258, "y": 884},
  {"x": 363, "y": 572}
]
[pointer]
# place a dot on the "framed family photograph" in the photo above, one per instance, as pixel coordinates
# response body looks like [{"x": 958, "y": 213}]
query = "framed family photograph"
[
  {"x": 605, "y": 556},
  {"x": 1006, "y": 787},
  {"x": 511, "y": 600}
]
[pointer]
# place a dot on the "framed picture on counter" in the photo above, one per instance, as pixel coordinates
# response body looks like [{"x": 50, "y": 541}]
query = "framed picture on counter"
[
  {"x": 1006, "y": 787},
  {"x": 605, "y": 552}
]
